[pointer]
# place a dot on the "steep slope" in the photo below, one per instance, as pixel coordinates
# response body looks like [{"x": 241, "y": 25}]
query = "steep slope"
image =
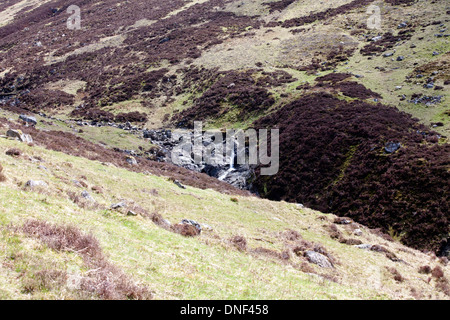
[
  {"x": 62, "y": 239},
  {"x": 244, "y": 64}
]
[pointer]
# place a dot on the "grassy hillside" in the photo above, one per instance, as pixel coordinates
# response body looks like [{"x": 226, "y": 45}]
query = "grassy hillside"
[
  {"x": 169, "y": 265},
  {"x": 311, "y": 68}
]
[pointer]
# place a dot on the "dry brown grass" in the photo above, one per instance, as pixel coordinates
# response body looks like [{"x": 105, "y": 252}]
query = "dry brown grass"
[
  {"x": 106, "y": 280},
  {"x": 186, "y": 230},
  {"x": 239, "y": 242},
  {"x": 2, "y": 176},
  {"x": 397, "y": 276}
]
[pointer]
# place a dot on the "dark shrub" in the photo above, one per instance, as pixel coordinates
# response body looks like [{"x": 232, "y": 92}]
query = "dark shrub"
[
  {"x": 13, "y": 152},
  {"x": 239, "y": 242},
  {"x": 95, "y": 114},
  {"x": 131, "y": 117},
  {"x": 333, "y": 159},
  {"x": 425, "y": 269},
  {"x": 186, "y": 230},
  {"x": 291, "y": 235},
  {"x": 397, "y": 276},
  {"x": 437, "y": 272}
]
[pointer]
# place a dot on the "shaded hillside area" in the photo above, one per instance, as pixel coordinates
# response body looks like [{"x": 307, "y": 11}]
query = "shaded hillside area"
[{"x": 362, "y": 160}]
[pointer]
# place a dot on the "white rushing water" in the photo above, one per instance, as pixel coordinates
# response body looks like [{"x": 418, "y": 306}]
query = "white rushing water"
[{"x": 231, "y": 169}]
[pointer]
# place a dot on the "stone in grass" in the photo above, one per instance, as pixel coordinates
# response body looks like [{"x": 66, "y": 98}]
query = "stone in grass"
[
  {"x": 35, "y": 183},
  {"x": 364, "y": 246},
  {"x": 391, "y": 147},
  {"x": 178, "y": 183},
  {"x": 19, "y": 135},
  {"x": 87, "y": 196},
  {"x": 319, "y": 259},
  {"x": 192, "y": 223},
  {"x": 206, "y": 227},
  {"x": 131, "y": 213},
  {"x": 131, "y": 160},
  {"x": 118, "y": 205},
  {"x": 28, "y": 119}
]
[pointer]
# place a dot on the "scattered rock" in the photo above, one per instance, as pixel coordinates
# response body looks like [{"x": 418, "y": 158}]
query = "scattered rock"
[
  {"x": 206, "y": 227},
  {"x": 319, "y": 259},
  {"x": 427, "y": 100},
  {"x": 400, "y": 58},
  {"x": 19, "y": 135},
  {"x": 131, "y": 160},
  {"x": 131, "y": 213},
  {"x": 391, "y": 147},
  {"x": 364, "y": 246},
  {"x": 28, "y": 119},
  {"x": 179, "y": 184},
  {"x": 35, "y": 183},
  {"x": 357, "y": 232},
  {"x": 340, "y": 220},
  {"x": 87, "y": 196},
  {"x": 164, "y": 40},
  {"x": 118, "y": 205},
  {"x": 193, "y": 223},
  {"x": 388, "y": 54}
]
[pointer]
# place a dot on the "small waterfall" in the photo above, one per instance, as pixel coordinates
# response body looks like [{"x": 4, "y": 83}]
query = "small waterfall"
[{"x": 231, "y": 169}]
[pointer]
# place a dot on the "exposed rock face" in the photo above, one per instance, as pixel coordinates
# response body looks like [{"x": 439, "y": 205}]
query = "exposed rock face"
[
  {"x": 131, "y": 160},
  {"x": 19, "y": 135},
  {"x": 240, "y": 176},
  {"x": 28, "y": 119}
]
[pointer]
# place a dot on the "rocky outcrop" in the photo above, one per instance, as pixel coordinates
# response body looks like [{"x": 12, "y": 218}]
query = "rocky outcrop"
[
  {"x": 19, "y": 135},
  {"x": 319, "y": 259}
]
